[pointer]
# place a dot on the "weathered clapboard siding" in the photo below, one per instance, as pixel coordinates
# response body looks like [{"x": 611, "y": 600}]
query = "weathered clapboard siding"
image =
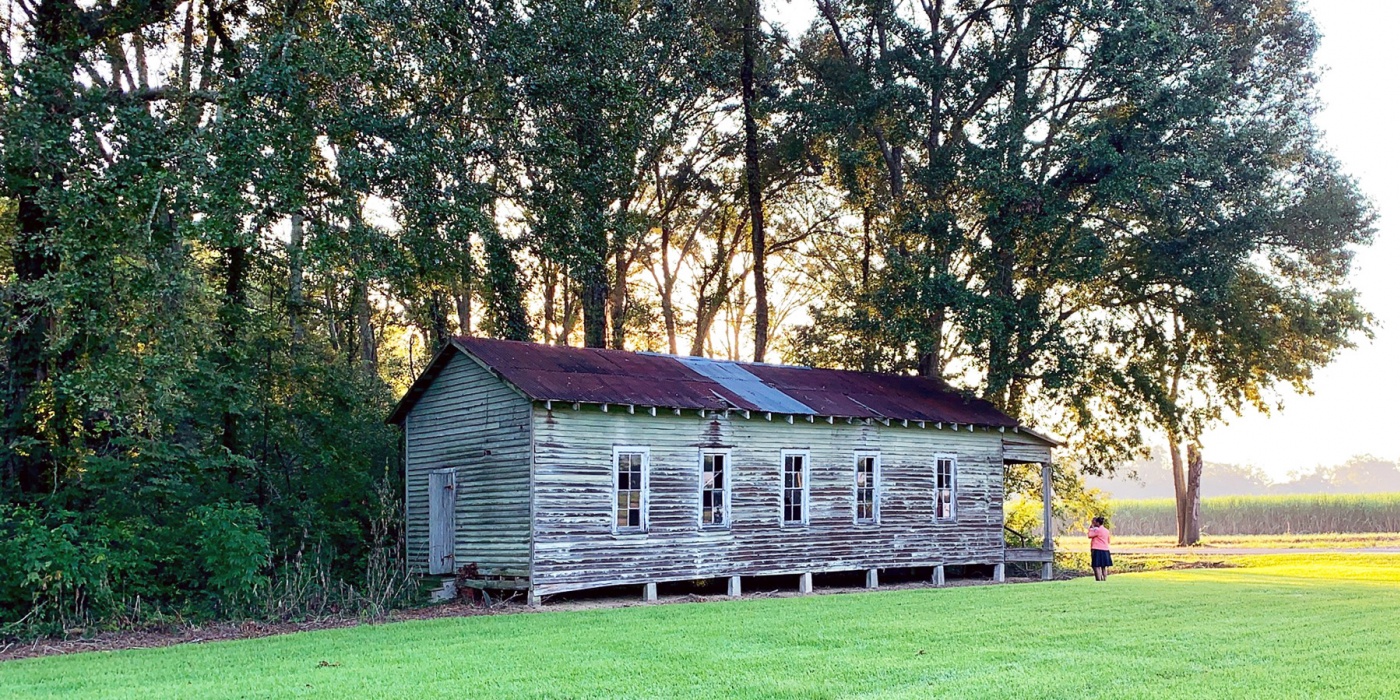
[
  {"x": 1024, "y": 448},
  {"x": 471, "y": 421},
  {"x": 574, "y": 546}
]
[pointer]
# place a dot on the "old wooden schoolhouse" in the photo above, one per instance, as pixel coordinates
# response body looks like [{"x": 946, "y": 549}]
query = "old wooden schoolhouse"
[{"x": 550, "y": 469}]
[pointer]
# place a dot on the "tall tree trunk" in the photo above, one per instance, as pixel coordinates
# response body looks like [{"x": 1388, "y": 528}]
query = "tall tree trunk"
[
  {"x": 296, "y": 299},
  {"x": 437, "y": 320},
  {"x": 595, "y": 306},
  {"x": 333, "y": 316},
  {"x": 232, "y": 315},
  {"x": 753, "y": 183},
  {"x": 463, "y": 300},
  {"x": 1194, "y": 465},
  {"x": 365, "y": 351},
  {"x": 931, "y": 360},
  {"x": 617, "y": 299},
  {"x": 551, "y": 284},
  {"x": 28, "y": 353},
  {"x": 667, "y": 288},
  {"x": 1178, "y": 487},
  {"x": 593, "y": 277}
]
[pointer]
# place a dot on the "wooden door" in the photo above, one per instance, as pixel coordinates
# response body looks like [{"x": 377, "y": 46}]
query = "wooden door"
[{"x": 442, "y": 528}]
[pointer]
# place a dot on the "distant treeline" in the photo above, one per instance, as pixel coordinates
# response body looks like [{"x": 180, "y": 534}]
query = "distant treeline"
[{"x": 1265, "y": 515}]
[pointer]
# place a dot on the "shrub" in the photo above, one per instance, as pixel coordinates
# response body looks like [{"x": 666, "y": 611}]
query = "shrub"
[
  {"x": 56, "y": 575},
  {"x": 233, "y": 552}
]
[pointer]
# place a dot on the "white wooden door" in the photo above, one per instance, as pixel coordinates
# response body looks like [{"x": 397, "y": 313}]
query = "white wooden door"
[{"x": 442, "y": 529}]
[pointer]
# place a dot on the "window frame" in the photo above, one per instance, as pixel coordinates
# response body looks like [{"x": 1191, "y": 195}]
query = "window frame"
[
  {"x": 726, "y": 489},
  {"x": 952, "y": 487},
  {"x": 875, "y": 488},
  {"x": 806, "y": 455},
  {"x": 645, "y": 452}
]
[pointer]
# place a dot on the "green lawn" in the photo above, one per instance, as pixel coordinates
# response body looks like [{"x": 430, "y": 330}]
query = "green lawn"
[{"x": 1287, "y": 626}]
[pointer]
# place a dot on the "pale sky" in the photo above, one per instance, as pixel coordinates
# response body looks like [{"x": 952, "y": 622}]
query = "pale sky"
[{"x": 1352, "y": 409}]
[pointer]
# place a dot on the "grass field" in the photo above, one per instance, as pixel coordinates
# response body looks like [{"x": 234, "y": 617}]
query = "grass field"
[
  {"x": 1285, "y": 626},
  {"x": 1264, "y": 515},
  {"x": 1078, "y": 542},
  {"x": 1313, "y": 541}
]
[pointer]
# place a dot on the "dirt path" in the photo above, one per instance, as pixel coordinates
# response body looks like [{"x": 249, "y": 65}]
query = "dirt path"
[{"x": 1248, "y": 551}]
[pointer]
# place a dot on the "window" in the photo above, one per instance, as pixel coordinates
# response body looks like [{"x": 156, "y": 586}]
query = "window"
[
  {"x": 714, "y": 489},
  {"x": 629, "y": 489},
  {"x": 795, "y": 488},
  {"x": 945, "y": 488},
  {"x": 867, "y": 487}
]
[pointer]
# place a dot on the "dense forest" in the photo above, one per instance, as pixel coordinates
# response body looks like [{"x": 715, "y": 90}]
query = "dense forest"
[{"x": 231, "y": 230}]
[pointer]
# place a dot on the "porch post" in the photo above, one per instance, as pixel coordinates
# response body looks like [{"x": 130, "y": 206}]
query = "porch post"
[{"x": 1047, "y": 491}]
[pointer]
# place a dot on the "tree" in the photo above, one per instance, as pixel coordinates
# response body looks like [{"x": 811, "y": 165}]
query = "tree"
[{"x": 753, "y": 177}]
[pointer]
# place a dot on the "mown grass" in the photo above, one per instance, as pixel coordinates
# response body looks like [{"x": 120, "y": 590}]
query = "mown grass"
[
  {"x": 1284, "y": 626},
  {"x": 1265, "y": 515}
]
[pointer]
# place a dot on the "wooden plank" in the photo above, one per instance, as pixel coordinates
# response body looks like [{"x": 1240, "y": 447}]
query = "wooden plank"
[
  {"x": 470, "y": 421},
  {"x": 442, "y": 506},
  {"x": 1028, "y": 555},
  {"x": 1047, "y": 493},
  {"x": 514, "y": 584},
  {"x": 573, "y": 501}
]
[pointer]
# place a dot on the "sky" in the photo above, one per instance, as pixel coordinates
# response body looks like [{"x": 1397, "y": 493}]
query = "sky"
[{"x": 1353, "y": 407}]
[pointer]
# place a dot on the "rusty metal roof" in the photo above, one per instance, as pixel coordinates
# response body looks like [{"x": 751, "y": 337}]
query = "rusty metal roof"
[{"x": 591, "y": 375}]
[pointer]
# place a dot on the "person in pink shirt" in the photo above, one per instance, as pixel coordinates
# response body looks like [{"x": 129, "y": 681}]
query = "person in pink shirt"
[{"x": 1099, "y": 557}]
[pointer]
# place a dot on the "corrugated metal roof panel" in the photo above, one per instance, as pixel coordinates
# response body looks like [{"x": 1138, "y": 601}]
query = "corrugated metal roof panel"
[
  {"x": 590, "y": 375},
  {"x": 869, "y": 395},
  {"x": 735, "y": 378}
]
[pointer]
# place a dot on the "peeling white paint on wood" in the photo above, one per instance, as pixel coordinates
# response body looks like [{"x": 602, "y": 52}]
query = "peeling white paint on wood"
[
  {"x": 470, "y": 421},
  {"x": 534, "y": 496},
  {"x": 575, "y": 549}
]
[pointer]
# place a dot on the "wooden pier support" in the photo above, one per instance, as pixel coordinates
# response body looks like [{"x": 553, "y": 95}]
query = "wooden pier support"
[
  {"x": 734, "y": 588},
  {"x": 999, "y": 573},
  {"x": 1047, "y": 492},
  {"x": 938, "y": 579}
]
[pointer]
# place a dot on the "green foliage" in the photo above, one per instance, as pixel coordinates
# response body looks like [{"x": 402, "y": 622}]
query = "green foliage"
[
  {"x": 56, "y": 574},
  {"x": 233, "y": 551},
  {"x": 1024, "y": 518},
  {"x": 1266, "y": 515}
]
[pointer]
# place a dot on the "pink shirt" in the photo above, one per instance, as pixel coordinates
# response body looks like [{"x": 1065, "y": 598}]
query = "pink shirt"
[{"x": 1098, "y": 538}]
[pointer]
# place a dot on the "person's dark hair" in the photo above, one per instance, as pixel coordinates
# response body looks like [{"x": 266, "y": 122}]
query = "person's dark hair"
[{"x": 1098, "y": 520}]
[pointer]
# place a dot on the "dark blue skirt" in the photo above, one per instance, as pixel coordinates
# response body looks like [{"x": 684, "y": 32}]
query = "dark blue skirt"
[{"x": 1100, "y": 557}]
